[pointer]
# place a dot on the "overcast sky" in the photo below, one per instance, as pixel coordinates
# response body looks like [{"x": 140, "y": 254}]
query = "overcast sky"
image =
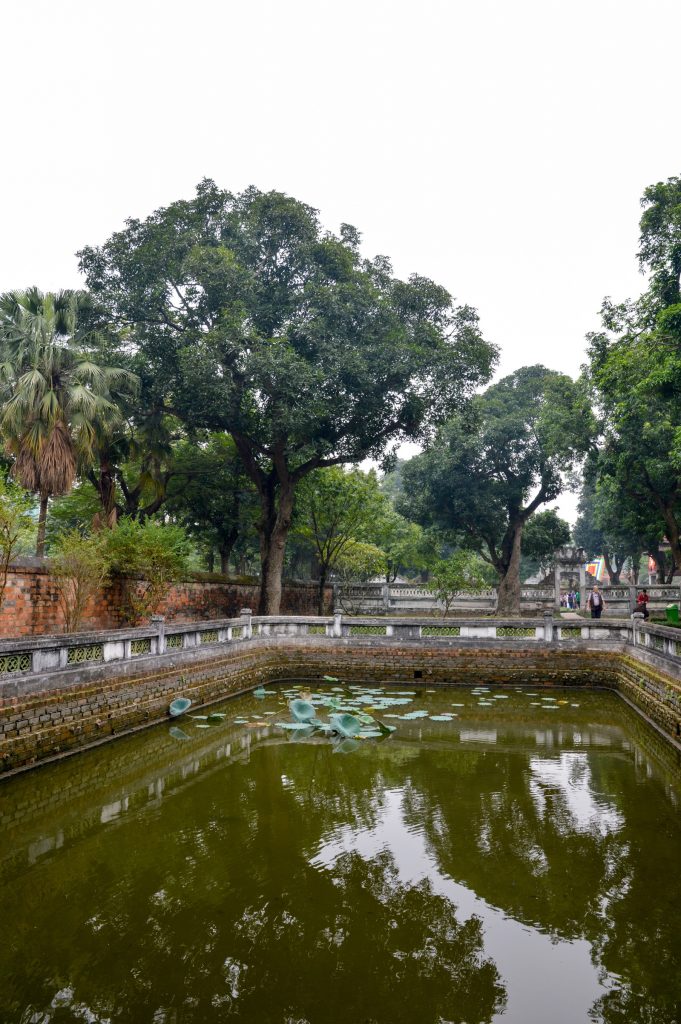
[{"x": 499, "y": 147}]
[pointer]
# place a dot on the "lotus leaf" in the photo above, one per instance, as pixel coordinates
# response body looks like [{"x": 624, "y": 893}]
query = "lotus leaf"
[
  {"x": 302, "y": 711},
  {"x": 346, "y": 725}
]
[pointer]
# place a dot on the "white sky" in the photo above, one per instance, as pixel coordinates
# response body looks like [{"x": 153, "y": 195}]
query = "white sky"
[{"x": 499, "y": 148}]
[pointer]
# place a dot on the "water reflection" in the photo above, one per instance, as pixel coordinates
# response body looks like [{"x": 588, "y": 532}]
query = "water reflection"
[
  {"x": 562, "y": 788},
  {"x": 537, "y": 971},
  {"x": 461, "y": 871}
]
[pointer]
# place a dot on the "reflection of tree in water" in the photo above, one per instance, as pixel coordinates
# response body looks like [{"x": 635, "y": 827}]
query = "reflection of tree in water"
[
  {"x": 206, "y": 905},
  {"x": 210, "y": 907},
  {"x": 516, "y": 840},
  {"x": 382, "y": 951}
]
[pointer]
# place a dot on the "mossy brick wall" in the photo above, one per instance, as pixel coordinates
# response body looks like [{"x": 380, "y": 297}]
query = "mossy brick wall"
[
  {"x": 31, "y": 604},
  {"x": 87, "y": 706}
]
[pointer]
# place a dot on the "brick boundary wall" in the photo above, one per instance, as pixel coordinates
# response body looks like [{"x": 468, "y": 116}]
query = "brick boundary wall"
[
  {"x": 82, "y": 708},
  {"x": 31, "y": 602}
]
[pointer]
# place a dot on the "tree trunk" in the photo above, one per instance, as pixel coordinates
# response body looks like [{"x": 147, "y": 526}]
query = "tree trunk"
[
  {"x": 322, "y": 584},
  {"x": 613, "y": 573},
  {"x": 42, "y": 520},
  {"x": 508, "y": 600},
  {"x": 225, "y": 548},
  {"x": 672, "y": 533},
  {"x": 210, "y": 559},
  {"x": 274, "y": 527}
]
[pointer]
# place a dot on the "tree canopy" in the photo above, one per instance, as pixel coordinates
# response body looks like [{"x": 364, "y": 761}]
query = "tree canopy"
[
  {"x": 494, "y": 465},
  {"x": 635, "y": 373},
  {"x": 253, "y": 320}
]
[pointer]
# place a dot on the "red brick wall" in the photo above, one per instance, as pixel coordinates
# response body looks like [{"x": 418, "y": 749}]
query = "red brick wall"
[{"x": 31, "y": 603}]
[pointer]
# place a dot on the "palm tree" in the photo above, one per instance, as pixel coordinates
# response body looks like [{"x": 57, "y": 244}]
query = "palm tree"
[{"x": 56, "y": 398}]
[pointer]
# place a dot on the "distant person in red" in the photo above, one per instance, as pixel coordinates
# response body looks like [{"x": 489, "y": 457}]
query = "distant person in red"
[
  {"x": 642, "y": 603},
  {"x": 595, "y": 602}
]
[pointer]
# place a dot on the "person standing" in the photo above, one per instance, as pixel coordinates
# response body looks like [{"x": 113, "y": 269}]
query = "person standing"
[{"x": 595, "y": 602}]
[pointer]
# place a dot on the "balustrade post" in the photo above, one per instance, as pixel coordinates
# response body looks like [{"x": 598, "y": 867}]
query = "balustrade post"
[
  {"x": 337, "y": 625},
  {"x": 548, "y": 627},
  {"x": 246, "y": 623},
  {"x": 556, "y": 586},
  {"x": 159, "y": 621},
  {"x": 582, "y": 586},
  {"x": 385, "y": 597},
  {"x": 632, "y": 600},
  {"x": 637, "y": 619}
]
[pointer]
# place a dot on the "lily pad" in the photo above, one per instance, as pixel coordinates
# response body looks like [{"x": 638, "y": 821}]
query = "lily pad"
[
  {"x": 302, "y": 711},
  {"x": 346, "y": 725}
]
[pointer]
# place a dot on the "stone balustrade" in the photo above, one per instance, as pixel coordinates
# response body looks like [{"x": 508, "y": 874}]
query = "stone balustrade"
[
  {"x": 23, "y": 658},
  {"x": 396, "y": 598}
]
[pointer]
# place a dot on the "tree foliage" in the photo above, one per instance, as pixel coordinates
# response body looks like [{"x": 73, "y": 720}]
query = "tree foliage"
[
  {"x": 492, "y": 467},
  {"x": 56, "y": 395},
  {"x": 150, "y": 556},
  {"x": 450, "y": 576},
  {"x": 210, "y": 494},
  {"x": 635, "y": 373},
  {"x": 80, "y": 566},
  {"x": 16, "y": 525},
  {"x": 543, "y": 534},
  {"x": 335, "y": 507},
  {"x": 253, "y": 320}
]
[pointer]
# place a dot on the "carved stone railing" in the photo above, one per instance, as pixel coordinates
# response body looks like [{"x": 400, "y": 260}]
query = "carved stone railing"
[
  {"x": 34, "y": 658},
  {"x": 402, "y": 598}
]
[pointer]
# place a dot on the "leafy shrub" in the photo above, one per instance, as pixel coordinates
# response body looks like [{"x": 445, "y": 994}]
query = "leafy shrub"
[
  {"x": 81, "y": 566},
  {"x": 16, "y": 525},
  {"x": 157, "y": 553}
]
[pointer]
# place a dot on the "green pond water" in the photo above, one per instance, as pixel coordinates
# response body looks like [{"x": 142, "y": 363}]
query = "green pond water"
[{"x": 501, "y": 857}]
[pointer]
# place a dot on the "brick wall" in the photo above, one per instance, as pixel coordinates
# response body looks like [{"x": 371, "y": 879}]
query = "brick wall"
[{"x": 31, "y": 603}]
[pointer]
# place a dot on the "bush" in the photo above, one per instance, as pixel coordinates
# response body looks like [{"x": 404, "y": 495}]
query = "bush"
[
  {"x": 16, "y": 525},
  {"x": 462, "y": 571},
  {"x": 80, "y": 566},
  {"x": 157, "y": 553}
]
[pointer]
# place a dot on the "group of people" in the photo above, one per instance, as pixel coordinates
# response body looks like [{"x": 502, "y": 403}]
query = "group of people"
[{"x": 570, "y": 600}]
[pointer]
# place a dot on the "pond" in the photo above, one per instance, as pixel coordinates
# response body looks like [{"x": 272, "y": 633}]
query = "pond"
[{"x": 503, "y": 856}]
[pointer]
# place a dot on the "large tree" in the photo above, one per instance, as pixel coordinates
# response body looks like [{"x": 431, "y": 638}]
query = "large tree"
[
  {"x": 56, "y": 395},
  {"x": 492, "y": 466},
  {"x": 253, "y": 320},
  {"x": 635, "y": 371}
]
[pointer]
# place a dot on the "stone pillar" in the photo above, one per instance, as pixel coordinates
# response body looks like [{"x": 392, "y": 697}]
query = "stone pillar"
[
  {"x": 548, "y": 627},
  {"x": 337, "y": 626},
  {"x": 159, "y": 621},
  {"x": 632, "y": 600},
  {"x": 556, "y": 584},
  {"x": 636, "y": 619},
  {"x": 246, "y": 624},
  {"x": 582, "y": 586},
  {"x": 385, "y": 594}
]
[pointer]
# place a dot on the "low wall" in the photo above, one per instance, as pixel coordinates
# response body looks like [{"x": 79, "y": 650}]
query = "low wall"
[
  {"x": 31, "y": 602},
  {"x": 46, "y": 713}
]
